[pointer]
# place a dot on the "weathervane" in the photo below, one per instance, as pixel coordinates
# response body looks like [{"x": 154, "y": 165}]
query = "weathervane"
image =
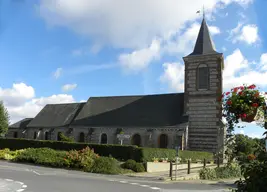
[{"x": 203, "y": 12}]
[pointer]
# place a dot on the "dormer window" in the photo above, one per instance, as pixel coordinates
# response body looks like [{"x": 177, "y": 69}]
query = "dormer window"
[{"x": 203, "y": 77}]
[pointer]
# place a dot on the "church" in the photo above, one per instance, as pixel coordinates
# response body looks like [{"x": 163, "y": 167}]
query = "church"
[{"x": 191, "y": 120}]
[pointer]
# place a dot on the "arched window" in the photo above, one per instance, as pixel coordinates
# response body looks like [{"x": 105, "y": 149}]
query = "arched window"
[
  {"x": 163, "y": 141},
  {"x": 58, "y": 136},
  {"x": 104, "y": 138},
  {"x": 35, "y": 135},
  {"x": 203, "y": 77},
  {"x": 15, "y": 134},
  {"x": 136, "y": 140},
  {"x": 46, "y": 135},
  {"x": 82, "y": 137}
]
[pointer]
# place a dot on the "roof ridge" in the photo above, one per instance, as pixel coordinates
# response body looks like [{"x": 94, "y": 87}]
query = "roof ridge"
[
  {"x": 65, "y": 103},
  {"x": 137, "y": 95}
]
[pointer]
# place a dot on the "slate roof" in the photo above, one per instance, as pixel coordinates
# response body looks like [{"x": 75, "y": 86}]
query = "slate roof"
[
  {"x": 21, "y": 124},
  {"x": 204, "y": 44},
  {"x": 133, "y": 111},
  {"x": 56, "y": 115}
]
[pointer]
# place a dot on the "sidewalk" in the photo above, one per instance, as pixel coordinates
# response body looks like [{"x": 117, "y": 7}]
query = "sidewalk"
[{"x": 181, "y": 175}]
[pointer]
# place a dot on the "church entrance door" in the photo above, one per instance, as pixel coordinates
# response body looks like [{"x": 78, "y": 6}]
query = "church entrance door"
[
  {"x": 136, "y": 140},
  {"x": 163, "y": 141}
]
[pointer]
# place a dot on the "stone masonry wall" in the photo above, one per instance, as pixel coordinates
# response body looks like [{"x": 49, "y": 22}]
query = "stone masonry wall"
[{"x": 202, "y": 106}]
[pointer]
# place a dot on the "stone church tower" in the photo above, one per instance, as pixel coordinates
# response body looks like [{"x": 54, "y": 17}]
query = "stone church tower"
[{"x": 203, "y": 89}]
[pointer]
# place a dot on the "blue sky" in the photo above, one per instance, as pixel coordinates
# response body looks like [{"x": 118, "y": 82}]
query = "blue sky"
[{"x": 55, "y": 51}]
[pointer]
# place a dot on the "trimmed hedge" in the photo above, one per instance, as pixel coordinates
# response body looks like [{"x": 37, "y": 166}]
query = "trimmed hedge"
[
  {"x": 147, "y": 154},
  {"x": 195, "y": 155},
  {"x": 120, "y": 152},
  {"x": 129, "y": 152}
]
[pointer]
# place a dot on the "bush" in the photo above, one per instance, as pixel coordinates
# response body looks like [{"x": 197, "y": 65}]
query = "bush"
[
  {"x": 207, "y": 174},
  {"x": 6, "y": 154},
  {"x": 106, "y": 165},
  {"x": 255, "y": 177},
  {"x": 83, "y": 159},
  {"x": 42, "y": 156},
  {"x": 65, "y": 138},
  {"x": 228, "y": 171},
  {"x": 133, "y": 165}
]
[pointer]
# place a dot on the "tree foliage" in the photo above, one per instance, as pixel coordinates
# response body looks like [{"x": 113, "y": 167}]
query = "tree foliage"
[
  {"x": 4, "y": 119},
  {"x": 241, "y": 146}
]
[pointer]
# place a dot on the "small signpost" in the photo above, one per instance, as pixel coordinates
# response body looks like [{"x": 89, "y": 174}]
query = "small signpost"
[
  {"x": 176, "y": 160},
  {"x": 121, "y": 137}
]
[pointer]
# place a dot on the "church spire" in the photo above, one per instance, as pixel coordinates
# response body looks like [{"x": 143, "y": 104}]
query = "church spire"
[{"x": 204, "y": 44}]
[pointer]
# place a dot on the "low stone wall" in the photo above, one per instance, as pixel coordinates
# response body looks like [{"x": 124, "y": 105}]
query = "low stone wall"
[{"x": 160, "y": 166}]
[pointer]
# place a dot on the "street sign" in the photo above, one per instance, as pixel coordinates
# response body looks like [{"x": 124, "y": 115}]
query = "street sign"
[{"x": 122, "y": 136}]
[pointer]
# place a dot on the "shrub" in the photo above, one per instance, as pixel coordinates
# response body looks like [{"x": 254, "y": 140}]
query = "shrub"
[
  {"x": 3, "y": 152},
  {"x": 232, "y": 170},
  {"x": 82, "y": 159},
  {"x": 106, "y": 165},
  {"x": 6, "y": 154},
  {"x": 207, "y": 174},
  {"x": 225, "y": 172},
  {"x": 133, "y": 165},
  {"x": 139, "y": 167},
  {"x": 255, "y": 177},
  {"x": 42, "y": 156},
  {"x": 66, "y": 138}
]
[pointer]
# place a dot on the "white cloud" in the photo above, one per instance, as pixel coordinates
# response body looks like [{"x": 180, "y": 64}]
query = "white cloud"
[
  {"x": 263, "y": 62},
  {"x": 233, "y": 63},
  {"x": 16, "y": 95},
  {"x": 21, "y": 102},
  {"x": 248, "y": 34},
  {"x": 184, "y": 42},
  {"x": 173, "y": 75},
  {"x": 58, "y": 73},
  {"x": 68, "y": 87},
  {"x": 214, "y": 30},
  {"x": 140, "y": 59},
  {"x": 240, "y": 2},
  {"x": 238, "y": 71},
  {"x": 126, "y": 23}
]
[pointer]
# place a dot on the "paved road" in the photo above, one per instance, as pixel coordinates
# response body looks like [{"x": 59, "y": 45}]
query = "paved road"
[{"x": 28, "y": 178}]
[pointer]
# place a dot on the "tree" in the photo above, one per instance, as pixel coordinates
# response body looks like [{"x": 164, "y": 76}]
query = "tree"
[
  {"x": 4, "y": 119},
  {"x": 66, "y": 138}
]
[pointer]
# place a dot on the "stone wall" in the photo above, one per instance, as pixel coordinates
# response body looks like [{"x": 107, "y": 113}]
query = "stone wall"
[
  {"x": 149, "y": 136},
  {"x": 203, "y": 106}
]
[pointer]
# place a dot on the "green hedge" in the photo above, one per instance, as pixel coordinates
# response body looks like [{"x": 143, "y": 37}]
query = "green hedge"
[
  {"x": 195, "y": 155},
  {"x": 147, "y": 154},
  {"x": 120, "y": 152}
]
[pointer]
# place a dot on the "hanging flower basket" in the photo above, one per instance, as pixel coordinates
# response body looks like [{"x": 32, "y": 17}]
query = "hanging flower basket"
[
  {"x": 243, "y": 103},
  {"x": 249, "y": 118}
]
